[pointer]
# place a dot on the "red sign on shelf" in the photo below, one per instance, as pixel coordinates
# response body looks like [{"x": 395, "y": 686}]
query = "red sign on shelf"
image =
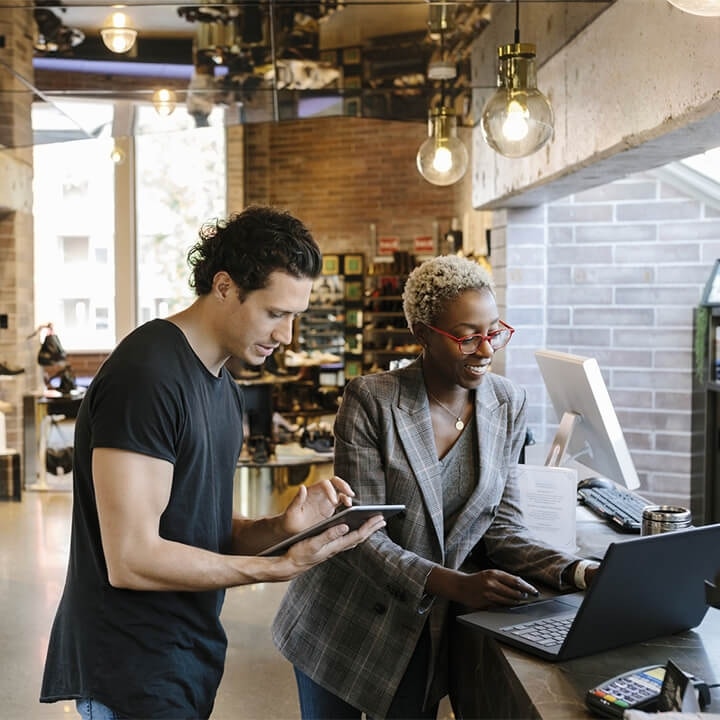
[
  {"x": 388, "y": 245},
  {"x": 424, "y": 245}
]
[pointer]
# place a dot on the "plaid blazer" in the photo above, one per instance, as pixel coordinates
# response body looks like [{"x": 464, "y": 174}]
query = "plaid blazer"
[{"x": 352, "y": 623}]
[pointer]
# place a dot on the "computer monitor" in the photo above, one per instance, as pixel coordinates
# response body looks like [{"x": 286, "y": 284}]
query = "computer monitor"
[{"x": 589, "y": 432}]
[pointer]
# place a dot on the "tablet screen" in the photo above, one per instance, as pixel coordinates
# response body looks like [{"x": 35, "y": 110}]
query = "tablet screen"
[{"x": 353, "y": 516}]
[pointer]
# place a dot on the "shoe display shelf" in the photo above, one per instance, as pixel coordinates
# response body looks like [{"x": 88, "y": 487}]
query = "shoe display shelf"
[{"x": 386, "y": 337}]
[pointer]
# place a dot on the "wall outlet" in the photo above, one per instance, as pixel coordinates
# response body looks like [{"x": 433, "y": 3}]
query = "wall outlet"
[{"x": 3, "y": 321}]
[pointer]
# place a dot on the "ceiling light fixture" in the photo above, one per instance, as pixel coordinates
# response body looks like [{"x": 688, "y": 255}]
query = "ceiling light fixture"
[
  {"x": 164, "y": 101},
  {"x": 708, "y": 8},
  {"x": 517, "y": 120},
  {"x": 117, "y": 155},
  {"x": 441, "y": 18},
  {"x": 443, "y": 158},
  {"x": 117, "y": 35},
  {"x": 52, "y": 36}
]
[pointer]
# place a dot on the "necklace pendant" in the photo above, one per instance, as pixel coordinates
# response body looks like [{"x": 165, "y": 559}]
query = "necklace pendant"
[{"x": 459, "y": 425}]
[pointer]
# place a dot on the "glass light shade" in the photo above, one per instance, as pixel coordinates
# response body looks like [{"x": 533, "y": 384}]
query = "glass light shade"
[
  {"x": 518, "y": 119},
  {"x": 708, "y": 8},
  {"x": 443, "y": 158},
  {"x": 164, "y": 101},
  {"x": 117, "y": 35}
]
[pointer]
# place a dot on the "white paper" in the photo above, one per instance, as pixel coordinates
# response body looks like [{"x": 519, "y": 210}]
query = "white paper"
[{"x": 548, "y": 497}]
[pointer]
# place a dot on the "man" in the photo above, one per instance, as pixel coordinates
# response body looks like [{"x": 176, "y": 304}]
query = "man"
[{"x": 154, "y": 541}]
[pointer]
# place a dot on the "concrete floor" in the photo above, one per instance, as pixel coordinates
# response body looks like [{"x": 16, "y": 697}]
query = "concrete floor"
[{"x": 34, "y": 543}]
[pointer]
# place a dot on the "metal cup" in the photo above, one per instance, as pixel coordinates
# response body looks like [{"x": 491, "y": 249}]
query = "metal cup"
[{"x": 658, "y": 519}]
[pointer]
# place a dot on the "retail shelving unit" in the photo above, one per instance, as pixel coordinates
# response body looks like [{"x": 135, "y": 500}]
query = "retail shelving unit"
[{"x": 385, "y": 332}]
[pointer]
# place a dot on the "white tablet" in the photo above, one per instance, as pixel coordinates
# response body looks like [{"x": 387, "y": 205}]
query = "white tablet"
[{"x": 353, "y": 516}]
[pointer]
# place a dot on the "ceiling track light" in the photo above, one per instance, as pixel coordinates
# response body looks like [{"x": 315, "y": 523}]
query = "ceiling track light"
[
  {"x": 518, "y": 119},
  {"x": 707, "y": 8},
  {"x": 117, "y": 35}
]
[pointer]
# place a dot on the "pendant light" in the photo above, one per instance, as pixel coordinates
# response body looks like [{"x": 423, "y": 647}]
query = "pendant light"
[
  {"x": 164, "y": 101},
  {"x": 117, "y": 34},
  {"x": 708, "y": 8},
  {"x": 517, "y": 120},
  {"x": 443, "y": 158}
]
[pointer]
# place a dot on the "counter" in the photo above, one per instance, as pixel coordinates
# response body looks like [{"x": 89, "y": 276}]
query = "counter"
[{"x": 492, "y": 680}]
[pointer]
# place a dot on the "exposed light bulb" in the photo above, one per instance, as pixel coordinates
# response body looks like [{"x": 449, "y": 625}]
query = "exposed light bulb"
[
  {"x": 117, "y": 35},
  {"x": 443, "y": 158},
  {"x": 518, "y": 119},
  {"x": 516, "y": 125},
  {"x": 708, "y": 8},
  {"x": 164, "y": 101}
]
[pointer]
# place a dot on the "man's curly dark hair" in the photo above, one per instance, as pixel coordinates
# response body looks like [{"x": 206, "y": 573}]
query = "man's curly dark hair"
[{"x": 249, "y": 246}]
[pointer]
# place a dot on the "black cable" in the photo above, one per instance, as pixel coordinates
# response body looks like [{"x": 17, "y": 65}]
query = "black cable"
[{"x": 517, "y": 21}]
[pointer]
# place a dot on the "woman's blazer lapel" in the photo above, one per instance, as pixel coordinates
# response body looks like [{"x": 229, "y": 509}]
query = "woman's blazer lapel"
[
  {"x": 491, "y": 430},
  {"x": 415, "y": 433}
]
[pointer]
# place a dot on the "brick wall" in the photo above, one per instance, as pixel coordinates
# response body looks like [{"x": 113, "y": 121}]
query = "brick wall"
[
  {"x": 16, "y": 227},
  {"x": 340, "y": 175},
  {"x": 615, "y": 273}
]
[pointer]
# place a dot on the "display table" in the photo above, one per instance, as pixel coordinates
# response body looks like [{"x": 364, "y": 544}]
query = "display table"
[
  {"x": 37, "y": 409},
  {"x": 267, "y": 488},
  {"x": 492, "y": 680}
]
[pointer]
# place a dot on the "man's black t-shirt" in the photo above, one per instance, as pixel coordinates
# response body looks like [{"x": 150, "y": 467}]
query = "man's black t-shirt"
[{"x": 149, "y": 654}]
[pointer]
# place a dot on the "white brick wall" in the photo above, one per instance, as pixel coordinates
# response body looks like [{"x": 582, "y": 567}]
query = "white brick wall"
[{"x": 615, "y": 273}]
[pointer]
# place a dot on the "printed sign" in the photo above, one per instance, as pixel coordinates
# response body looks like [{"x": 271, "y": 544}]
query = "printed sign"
[{"x": 388, "y": 245}]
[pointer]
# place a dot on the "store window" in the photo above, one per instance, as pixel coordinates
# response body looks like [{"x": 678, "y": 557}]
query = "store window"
[
  {"x": 179, "y": 182},
  {"x": 73, "y": 210}
]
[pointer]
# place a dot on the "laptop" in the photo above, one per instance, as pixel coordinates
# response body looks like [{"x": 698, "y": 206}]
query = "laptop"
[{"x": 646, "y": 587}]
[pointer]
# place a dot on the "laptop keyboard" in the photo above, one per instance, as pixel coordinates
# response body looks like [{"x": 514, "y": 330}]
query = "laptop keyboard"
[{"x": 546, "y": 631}]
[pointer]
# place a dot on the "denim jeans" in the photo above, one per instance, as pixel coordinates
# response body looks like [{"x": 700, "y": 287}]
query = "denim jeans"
[
  {"x": 317, "y": 703},
  {"x": 90, "y": 709}
]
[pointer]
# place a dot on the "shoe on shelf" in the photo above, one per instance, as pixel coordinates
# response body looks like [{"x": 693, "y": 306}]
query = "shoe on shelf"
[
  {"x": 6, "y": 369},
  {"x": 259, "y": 448}
]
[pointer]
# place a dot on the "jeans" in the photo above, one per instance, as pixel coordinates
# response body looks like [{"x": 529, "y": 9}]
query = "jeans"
[
  {"x": 90, "y": 709},
  {"x": 317, "y": 703}
]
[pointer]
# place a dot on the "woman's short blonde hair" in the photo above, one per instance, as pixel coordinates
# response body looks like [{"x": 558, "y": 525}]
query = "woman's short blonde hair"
[{"x": 434, "y": 283}]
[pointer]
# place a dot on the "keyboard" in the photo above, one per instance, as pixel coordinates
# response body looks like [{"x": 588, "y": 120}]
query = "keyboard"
[
  {"x": 546, "y": 631},
  {"x": 620, "y": 507}
]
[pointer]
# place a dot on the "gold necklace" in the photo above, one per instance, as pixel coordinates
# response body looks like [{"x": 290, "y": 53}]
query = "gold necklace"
[{"x": 459, "y": 424}]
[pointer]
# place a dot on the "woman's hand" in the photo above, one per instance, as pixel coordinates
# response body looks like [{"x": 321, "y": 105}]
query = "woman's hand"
[
  {"x": 496, "y": 587},
  {"x": 479, "y": 590},
  {"x": 316, "y": 502}
]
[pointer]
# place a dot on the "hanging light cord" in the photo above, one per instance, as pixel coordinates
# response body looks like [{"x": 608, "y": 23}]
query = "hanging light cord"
[
  {"x": 517, "y": 22},
  {"x": 442, "y": 57}
]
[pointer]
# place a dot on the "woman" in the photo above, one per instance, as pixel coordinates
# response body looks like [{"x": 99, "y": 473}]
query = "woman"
[{"x": 367, "y": 631}]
